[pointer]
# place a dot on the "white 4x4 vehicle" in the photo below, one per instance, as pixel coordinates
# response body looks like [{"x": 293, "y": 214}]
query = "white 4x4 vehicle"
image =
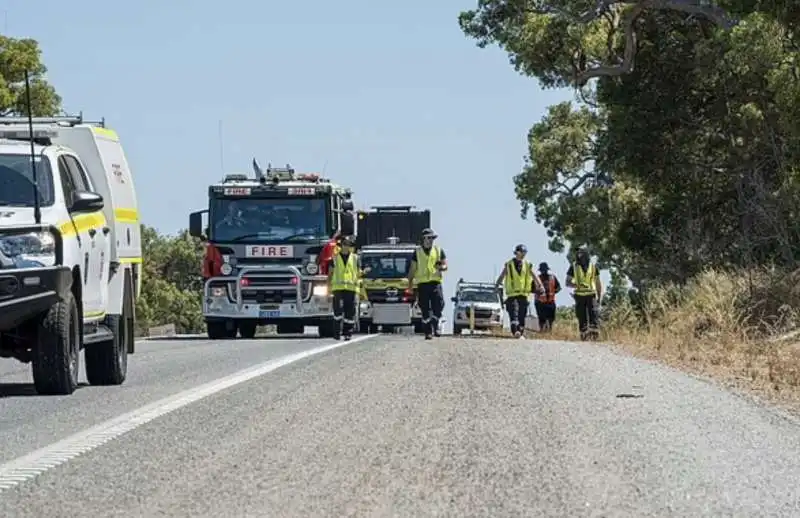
[
  {"x": 485, "y": 299},
  {"x": 70, "y": 251}
]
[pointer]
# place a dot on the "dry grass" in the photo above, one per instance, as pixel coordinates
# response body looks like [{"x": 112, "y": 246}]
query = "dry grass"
[{"x": 733, "y": 327}]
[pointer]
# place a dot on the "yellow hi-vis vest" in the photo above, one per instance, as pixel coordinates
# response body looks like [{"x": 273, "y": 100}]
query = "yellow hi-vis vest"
[
  {"x": 518, "y": 283},
  {"x": 584, "y": 280},
  {"x": 426, "y": 266},
  {"x": 345, "y": 275}
]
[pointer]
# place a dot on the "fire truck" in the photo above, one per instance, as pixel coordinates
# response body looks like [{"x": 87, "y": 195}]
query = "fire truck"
[
  {"x": 262, "y": 263},
  {"x": 387, "y": 240}
]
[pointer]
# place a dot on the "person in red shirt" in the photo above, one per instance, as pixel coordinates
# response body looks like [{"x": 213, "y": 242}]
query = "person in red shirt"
[{"x": 328, "y": 251}]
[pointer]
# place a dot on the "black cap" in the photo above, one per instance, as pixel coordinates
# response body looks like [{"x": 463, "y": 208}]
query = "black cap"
[
  {"x": 544, "y": 267},
  {"x": 428, "y": 232},
  {"x": 348, "y": 240}
]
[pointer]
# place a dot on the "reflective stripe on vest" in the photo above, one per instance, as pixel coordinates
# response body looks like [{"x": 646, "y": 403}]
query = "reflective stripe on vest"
[
  {"x": 584, "y": 281},
  {"x": 345, "y": 275},
  {"x": 518, "y": 283},
  {"x": 549, "y": 296},
  {"x": 426, "y": 266}
]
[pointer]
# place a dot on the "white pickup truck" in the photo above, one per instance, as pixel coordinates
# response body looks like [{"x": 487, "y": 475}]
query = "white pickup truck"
[{"x": 70, "y": 251}]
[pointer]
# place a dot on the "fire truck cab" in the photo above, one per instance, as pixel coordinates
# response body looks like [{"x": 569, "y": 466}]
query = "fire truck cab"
[{"x": 264, "y": 237}]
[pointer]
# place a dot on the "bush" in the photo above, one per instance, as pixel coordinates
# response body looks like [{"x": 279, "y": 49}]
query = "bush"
[
  {"x": 171, "y": 282},
  {"x": 737, "y": 324}
]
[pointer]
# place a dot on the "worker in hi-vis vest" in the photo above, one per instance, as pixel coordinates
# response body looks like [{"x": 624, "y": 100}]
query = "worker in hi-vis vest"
[
  {"x": 427, "y": 265},
  {"x": 518, "y": 281},
  {"x": 344, "y": 276},
  {"x": 584, "y": 277},
  {"x": 546, "y": 302}
]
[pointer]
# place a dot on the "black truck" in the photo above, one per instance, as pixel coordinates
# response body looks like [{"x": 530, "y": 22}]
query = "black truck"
[
  {"x": 387, "y": 239},
  {"x": 391, "y": 221}
]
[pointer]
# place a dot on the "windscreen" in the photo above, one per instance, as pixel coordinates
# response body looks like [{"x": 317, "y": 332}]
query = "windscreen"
[
  {"x": 268, "y": 220},
  {"x": 16, "y": 181},
  {"x": 387, "y": 265},
  {"x": 479, "y": 296}
]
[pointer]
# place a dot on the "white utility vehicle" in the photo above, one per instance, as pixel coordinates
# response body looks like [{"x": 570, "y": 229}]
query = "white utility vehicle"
[
  {"x": 484, "y": 299},
  {"x": 70, "y": 251}
]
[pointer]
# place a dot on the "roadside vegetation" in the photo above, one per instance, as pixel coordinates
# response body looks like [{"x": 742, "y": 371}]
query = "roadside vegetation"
[{"x": 677, "y": 164}]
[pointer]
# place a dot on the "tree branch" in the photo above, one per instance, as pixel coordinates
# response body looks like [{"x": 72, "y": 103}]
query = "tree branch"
[{"x": 702, "y": 8}]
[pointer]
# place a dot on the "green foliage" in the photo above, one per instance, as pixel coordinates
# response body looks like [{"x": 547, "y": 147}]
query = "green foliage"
[
  {"x": 171, "y": 282},
  {"x": 684, "y": 161},
  {"x": 17, "y": 56}
]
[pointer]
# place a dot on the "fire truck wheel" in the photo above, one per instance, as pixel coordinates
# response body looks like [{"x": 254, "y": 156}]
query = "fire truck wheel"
[
  {"x": 247, "y": 330},
  {"x": 216, "y": 330},
  {"x": 327, "y": 329}
]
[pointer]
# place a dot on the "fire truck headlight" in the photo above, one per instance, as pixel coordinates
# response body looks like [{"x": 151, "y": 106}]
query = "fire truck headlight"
[
  {"x": 312, "y": 269},
  {"x": 226, "y": 269},
  {"x": 217, "y": 292},
  {"x": 320, "y": 290}
]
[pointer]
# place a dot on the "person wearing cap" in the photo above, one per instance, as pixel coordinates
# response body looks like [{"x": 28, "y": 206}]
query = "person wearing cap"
[
  {"x": 344, "y": 276},
  {"x": 518, "y": 280},
  {"x": 427, "y": 265},
  {"x": 584, "y": 277},
  {"x": 546, "y": 302}
]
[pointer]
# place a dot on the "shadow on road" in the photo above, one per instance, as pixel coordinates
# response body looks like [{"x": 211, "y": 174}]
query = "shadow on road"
[
  {"x": 24, "y": 390},
  {"x": 203, "y": 338}
]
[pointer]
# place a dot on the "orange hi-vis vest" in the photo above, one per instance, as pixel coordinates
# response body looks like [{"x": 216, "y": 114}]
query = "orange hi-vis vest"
[{"x": 549, "y": 296}]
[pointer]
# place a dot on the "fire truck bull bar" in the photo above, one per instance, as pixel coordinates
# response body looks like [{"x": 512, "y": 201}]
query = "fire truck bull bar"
[{"x": 270, "y": 271}]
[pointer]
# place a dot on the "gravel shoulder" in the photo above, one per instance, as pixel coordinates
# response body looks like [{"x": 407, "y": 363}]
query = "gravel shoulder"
[{"x": 398, "y": 426}]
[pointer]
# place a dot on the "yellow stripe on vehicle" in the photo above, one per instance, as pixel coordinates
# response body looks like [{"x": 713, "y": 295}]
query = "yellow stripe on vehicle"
[
  {"x": 130, "y": 260},
  {"x": 105, "y": 132},
  {"x": 94, "y": 314},
  {"x": 126, "y": 215},
  {"x": 82, "y": 223}
]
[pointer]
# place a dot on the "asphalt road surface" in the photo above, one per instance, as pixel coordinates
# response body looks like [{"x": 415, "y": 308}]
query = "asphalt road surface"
[{"x": 392, "y": 426}]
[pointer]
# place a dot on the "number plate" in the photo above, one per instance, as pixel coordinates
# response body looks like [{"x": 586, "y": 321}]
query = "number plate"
[{"x": 273, "y": 313}]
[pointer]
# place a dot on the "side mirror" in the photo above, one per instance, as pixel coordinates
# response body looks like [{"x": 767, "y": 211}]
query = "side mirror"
[
  {"x": 348, "y": 226},
  {"x": 347, "y": 205},
  {"x": 454, "y": 300},
  {"x": 196, "y": 224},
  {"x": 85, "y": 201}
]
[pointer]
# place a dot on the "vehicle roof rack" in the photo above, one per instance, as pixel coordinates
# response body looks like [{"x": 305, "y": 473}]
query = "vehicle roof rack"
[{"x": 63, "y": 120}]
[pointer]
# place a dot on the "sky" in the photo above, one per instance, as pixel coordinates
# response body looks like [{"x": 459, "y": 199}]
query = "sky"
[{"x": 389, "y": 98}]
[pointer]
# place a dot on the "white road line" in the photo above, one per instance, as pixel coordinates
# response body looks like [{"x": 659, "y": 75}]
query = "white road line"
[{"x": 34, "y": 464}]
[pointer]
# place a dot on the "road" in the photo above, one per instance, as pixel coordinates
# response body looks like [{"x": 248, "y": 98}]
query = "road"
[{"x": 393, "y": 426}]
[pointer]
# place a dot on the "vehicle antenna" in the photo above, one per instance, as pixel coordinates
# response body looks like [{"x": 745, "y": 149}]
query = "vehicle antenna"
[
  {"x": 37, "y": 211},
  {"x": 221, "y": 149}
]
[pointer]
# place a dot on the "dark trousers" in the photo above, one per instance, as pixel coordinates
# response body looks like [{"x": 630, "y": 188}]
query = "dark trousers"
[
  {"x": 344, "y": 312},
  {"x": 517, "y": 308},
  {"x": 586, "y": 311},
  {"x": 431, "y": 303},
  {"x": 546, "y": 313}
]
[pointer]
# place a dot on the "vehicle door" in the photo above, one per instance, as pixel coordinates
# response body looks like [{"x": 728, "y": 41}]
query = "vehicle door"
[{"x": 87, "y": 235}]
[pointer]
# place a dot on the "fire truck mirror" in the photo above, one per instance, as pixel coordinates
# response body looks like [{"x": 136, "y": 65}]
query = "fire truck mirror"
[
  {"x": 348, "y": 224},
  {"x": 196, "y": 224},
  {"x": 347, "y": 205}
]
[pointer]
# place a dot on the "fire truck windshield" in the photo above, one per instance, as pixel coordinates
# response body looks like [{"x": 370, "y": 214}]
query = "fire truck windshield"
[
  {"x": 267, "y": 220},
  {"x": 386, "y": 265}
]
